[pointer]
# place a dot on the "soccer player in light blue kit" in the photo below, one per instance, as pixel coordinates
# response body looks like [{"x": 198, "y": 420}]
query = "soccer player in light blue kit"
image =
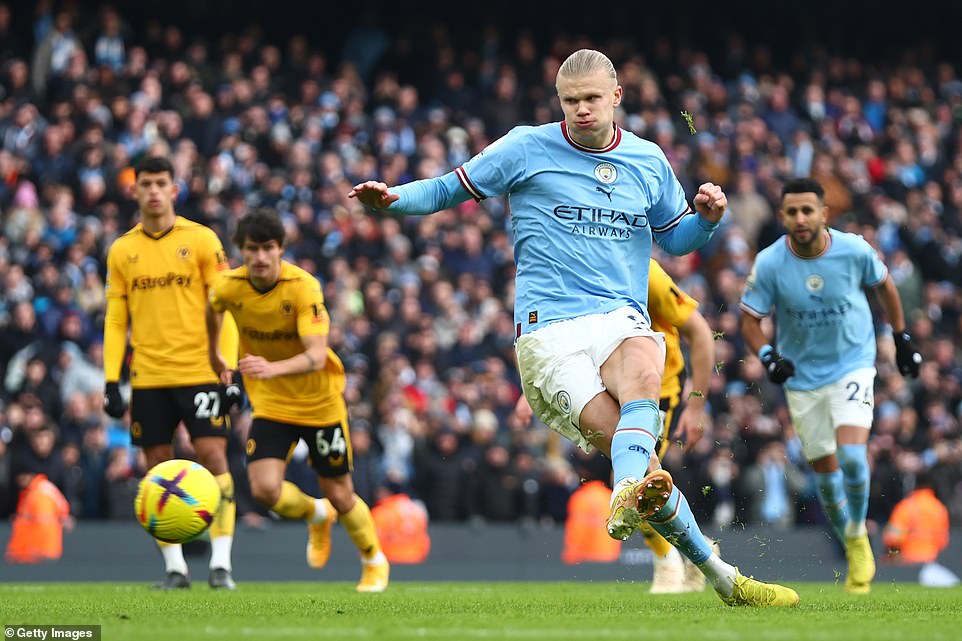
[
  {"x": 814, "y": 278},
  {"x": 586, "y": 199}
]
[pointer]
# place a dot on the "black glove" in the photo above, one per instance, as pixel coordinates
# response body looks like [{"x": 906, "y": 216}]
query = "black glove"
[
  {"x": 230, "y": 396},
  {"x": 779, "y": 368},
  {"x": 113, "y": 402},
  {"x": 907, "y": 356}
]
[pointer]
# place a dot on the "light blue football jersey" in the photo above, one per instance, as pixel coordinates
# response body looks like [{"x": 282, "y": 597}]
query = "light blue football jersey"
[
  {"x": 822, "y": 316},
  {"x": 582, "y": 218}
]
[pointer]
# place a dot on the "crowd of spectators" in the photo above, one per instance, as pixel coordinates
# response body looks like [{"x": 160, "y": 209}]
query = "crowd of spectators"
[{"x": 422, "y": 307}]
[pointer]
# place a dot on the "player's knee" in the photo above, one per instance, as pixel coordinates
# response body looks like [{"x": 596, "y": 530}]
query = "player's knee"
[
  {"x": 645, "y": 381},
  {"x": 158, "y": 454},
  {"x": 265, "y": 493},
  {"x": 213, "y": 459},
  {"x": 340, "y": 492}
]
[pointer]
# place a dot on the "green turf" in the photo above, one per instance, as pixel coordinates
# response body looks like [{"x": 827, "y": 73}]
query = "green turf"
[{"x": 456, "y": 611}]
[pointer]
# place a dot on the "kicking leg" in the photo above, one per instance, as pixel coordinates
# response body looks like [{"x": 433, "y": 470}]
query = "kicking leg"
[{"x": 633, "y": 499}]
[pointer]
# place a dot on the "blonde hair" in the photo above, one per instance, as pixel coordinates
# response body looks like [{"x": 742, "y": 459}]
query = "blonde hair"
[{"x": 585, "y": 62}]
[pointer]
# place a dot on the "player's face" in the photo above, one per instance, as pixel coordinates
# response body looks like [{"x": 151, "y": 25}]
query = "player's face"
[
  {"x": 804, "y": 217},
  {"x": 155, "y": 193},
  {"x": 589, "y": 105},
  {"x": 263, "y": 260}
]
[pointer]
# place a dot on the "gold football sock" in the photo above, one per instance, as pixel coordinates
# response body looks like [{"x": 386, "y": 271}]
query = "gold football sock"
[
  {"x": 360, "y": 527},
  {"x": 658, "y": 544},
  {"x": 294, "y": 504},
  {"x": 223, "y": 524}
]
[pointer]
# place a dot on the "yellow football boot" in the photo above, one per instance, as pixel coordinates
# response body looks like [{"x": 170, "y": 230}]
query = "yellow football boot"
[
  {"x": 755, "y": 594},
  {"x": 374, "y": 576},
  {"x": 319, "y": 538},
  {"x": 861, "y": 565},
  {"x": 637, "y": 502}
]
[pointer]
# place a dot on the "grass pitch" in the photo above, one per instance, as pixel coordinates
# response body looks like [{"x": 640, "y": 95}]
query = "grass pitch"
[{"x": 456, "y": 611}]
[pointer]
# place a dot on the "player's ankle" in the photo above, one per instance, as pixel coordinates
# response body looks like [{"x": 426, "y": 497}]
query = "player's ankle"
[
  {"x": 320, "y": 512},
  {"x": 721, "y": 575},
  {"x": 375, "y": 558},
  {"x": 855, "y": 529}
]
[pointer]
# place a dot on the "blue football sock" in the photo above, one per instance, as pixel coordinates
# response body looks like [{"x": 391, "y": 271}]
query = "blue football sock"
[
  {"x": 677, "y": 524},
  {"x": 634, "y": 439},
  {"x": 831, "y": 494},
  {"x": 854, "y": 463}
]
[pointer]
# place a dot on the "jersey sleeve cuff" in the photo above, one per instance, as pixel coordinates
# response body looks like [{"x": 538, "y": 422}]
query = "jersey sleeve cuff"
[
  {"x": 751, "y": 310},
  {"x": 671, "y": 224},
  {"x": 881, "y": 280},
  {"x": 706, "y": 224},
  {"x": 468, "y": 185}
]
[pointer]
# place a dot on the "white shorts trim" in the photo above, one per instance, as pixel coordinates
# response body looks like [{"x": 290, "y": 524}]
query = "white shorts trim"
[
  {"x": 560, "y": 364},
  {"x": 818, "y": 413}
]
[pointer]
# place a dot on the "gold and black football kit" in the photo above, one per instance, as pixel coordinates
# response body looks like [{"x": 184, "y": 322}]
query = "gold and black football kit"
[
  {"x": 158, "y": 284},
  {"x": 309, "y": 405}
]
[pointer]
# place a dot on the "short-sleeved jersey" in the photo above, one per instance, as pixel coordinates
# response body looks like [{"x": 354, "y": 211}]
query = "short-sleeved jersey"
[
  {"x": 822, "y": 316},
  {"x": 582, "y": 218},
  {"x": 164, "y": 280},
  {"x": 670, "y": 308},
  {"x": 271, "y": 324}
]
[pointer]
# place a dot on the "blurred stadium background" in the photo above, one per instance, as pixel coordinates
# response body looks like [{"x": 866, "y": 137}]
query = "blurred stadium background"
[{"x": 271, "y": 103}]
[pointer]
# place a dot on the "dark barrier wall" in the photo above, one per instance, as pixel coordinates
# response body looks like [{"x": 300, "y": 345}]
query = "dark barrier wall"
[{"x": 123, "y": 552}]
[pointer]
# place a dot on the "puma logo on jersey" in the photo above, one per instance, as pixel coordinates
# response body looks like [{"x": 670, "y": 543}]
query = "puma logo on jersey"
[{"x": 606, "y": 192}]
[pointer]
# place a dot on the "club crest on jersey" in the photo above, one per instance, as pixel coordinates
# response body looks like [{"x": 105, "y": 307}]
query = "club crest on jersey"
[
  {"x": 183, "y": 252},
  {"x": 287, "y": 307},
  {"x": 606, "y": 173},
  {"x": 563, "y": 400},
  {"x": 814, "y": 283}
]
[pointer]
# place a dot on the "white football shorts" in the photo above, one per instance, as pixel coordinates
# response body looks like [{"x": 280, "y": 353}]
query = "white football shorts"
[
  {"x": 560, "y": 364},
  {"x": 818, "y": 413}
]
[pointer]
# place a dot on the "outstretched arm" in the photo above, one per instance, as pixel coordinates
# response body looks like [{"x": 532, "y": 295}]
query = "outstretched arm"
[{"x": 418, "y": 198}]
